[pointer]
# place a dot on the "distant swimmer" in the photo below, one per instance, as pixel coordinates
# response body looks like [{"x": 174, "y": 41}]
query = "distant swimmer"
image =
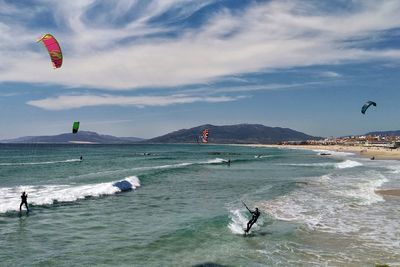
[
  {"x": 255, "y": 214},
  {"x": 23, "y": 201},
  {"x": 372, "y": 158}
]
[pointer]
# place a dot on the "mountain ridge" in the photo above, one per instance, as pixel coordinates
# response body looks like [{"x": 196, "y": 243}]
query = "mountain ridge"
[
  {"x": 244, "y": 133},
  {"x": 80, "y": 137}
]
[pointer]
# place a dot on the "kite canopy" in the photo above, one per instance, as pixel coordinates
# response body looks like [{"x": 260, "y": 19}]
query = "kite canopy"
[
  {"x": 53, "y": 48},
  {"x": 204, "y": 136},
  {"x": 75, "y": 127},
  {"x": 367, "y": 105}
]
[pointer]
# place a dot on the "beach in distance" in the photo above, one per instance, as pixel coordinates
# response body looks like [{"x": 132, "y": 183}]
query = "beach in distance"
[{"x": 367, "y": 152}]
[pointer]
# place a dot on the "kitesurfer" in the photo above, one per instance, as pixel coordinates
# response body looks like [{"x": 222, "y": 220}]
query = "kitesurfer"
[
  {"x": 23, "y": 201},
  {"x": 255, "y": 214},
  {"x": 367, "y": 105},
  {"x": 81, "y": 158}
]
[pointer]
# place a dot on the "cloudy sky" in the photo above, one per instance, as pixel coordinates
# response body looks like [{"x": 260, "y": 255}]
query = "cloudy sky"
[{"x": 146, "y": 67}]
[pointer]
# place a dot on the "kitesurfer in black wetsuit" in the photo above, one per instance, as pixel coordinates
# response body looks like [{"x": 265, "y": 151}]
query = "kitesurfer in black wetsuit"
[
  {"x": 23, "y": 201},
  {"x": 255, "y": 214},
  {"x": 81, "y": 158}
]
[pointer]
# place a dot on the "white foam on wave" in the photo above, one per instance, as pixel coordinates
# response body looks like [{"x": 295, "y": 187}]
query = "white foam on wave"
[
  {"x": 348, "y": 164},
  {"x": 340, "y": 165},
  {"x": 290, "y": 209},
  {"x": 324, "y": 178},
  {"x": 320, "y": 164},
  {"x": 334, "y": 153},
  {"x": 214, "y": 161},
  {"x": 263, "y": 156},
  {"x": 343, "y": 204},
  {"x": 395, "y": 169},
  {"x": 239, "y": 222},
  {"x": 364, "y": 192},
  {"x": 147, "y": 168},
  {"x": 168, "y": 166},
  {"x": 49, "y": 194},
  {"x": 38, "y": 163}
]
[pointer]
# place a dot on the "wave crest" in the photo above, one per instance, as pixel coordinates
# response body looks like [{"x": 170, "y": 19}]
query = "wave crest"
[{"x": 50, "y": 194}]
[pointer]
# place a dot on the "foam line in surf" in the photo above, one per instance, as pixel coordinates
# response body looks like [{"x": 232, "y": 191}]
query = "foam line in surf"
[
  {"x": 38, "y": 163},
  {"x": 149, "y": 168},
  {"x": 365, "y": 192},
  {"x": 50, "y": 194},
  {"x": 334, "y": 153},
  {"x": 340, "y": 165},
  {"x": 214, "y": 161},
  {"x": 348, "y": 164},
  {"x": 263, "y": 156},
  {"x": 330, "y": 206}
]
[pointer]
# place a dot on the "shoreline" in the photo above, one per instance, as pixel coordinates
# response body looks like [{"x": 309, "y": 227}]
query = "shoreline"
[
  {"x": 366, "y": 152},
  {"x": 379, "y": 153}
]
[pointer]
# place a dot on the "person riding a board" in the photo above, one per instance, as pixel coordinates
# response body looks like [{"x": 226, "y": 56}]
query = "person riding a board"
[
  {"x": 24, "y": 201},
  {"x": 255, "y": 214}
]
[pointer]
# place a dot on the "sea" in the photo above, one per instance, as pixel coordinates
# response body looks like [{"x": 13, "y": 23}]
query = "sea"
[{"x": 182, "y": 205}]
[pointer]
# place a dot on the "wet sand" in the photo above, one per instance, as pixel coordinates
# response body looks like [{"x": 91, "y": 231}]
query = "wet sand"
[{"x": 389, "y": 192}]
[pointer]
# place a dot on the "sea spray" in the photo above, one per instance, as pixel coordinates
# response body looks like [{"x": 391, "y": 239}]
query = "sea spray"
[{"x": 49, "y": 194}]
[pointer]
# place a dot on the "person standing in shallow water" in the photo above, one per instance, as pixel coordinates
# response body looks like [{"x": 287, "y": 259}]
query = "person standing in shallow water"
[{"x": 24, "y": 201}]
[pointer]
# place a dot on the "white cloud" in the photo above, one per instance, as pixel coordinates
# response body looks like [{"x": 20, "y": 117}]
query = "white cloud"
[
  {"x": 268, "y": 36},
  {"x": 329, "y": 74},
  {"x": 78, "y": 101},
  {"x": 249, "y": 88}
]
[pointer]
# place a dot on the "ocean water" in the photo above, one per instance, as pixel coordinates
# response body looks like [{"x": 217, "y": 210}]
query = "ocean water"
[{"x": 184, "y": 207}]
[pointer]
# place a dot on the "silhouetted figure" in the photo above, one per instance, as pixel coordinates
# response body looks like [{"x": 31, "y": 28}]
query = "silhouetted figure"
[
  {"x": 229, "y": 162},
  {"x": 255, "y": 214},
  {"x": 81, "y": 158},
  {"x": 24, "y": 201}
]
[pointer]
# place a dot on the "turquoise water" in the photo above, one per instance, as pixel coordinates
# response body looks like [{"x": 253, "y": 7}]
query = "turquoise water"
[{"x": 185, "y": 208}]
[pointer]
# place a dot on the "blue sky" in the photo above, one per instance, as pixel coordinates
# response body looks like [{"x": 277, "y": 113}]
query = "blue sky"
[{"x": 145, "y": 68}]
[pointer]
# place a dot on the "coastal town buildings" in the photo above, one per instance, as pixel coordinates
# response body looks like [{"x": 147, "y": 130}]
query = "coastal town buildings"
[{"x": 392, "y": 142}]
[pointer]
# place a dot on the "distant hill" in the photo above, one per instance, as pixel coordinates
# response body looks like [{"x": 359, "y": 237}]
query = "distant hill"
[
  {"x": 385, "y": 133},
  {"x": 234, "y": 134},
  {"x": 80, "y": 137}
]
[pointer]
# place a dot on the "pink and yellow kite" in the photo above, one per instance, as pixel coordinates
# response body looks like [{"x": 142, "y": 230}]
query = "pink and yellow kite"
[{"x": 53, "y": 48}]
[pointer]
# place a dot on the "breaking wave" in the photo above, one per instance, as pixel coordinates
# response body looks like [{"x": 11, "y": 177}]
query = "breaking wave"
[
  {"x": 341, "y": 165},
  {"x": 51, "y": 194}
]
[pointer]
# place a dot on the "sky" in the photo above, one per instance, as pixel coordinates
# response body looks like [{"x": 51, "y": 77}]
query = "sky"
[{"x": 144, "y": 68}]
